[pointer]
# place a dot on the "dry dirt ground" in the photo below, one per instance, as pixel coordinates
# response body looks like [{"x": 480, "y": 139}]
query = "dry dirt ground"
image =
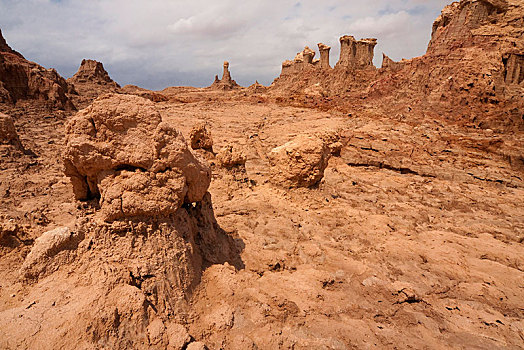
[{"x": 413, "y": 239}]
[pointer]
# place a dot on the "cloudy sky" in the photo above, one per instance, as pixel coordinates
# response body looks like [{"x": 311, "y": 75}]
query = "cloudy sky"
[{"x": 160, "y": 43}]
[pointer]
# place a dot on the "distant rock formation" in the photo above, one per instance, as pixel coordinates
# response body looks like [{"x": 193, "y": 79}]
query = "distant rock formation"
[
  {"x": 356, "y": 54},
  {"x": 257, "y": 88},
  {"x": 388, "y": 63},
  {"x": 475, "y": 59},
  {"x": 226, "y": 83},
  {"x": 22, "y": 80},
  {"x": 92, "y": 71},
  {"x": 92, "y": 80},
  {"x": 324, "y": 55}
]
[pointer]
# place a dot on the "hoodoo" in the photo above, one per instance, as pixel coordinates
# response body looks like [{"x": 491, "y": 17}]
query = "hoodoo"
[{"x": 226, "y": 83}]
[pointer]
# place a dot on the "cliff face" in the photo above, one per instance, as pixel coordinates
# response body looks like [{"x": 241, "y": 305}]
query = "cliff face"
[
  {"x": 21, "y": 80},
  {"x": 473, "y": 70}
]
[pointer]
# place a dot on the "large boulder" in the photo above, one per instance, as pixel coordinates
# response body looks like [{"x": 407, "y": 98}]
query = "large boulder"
[
  {"x": 200, "y": 137},
  {"x": 231, "y": 156},
  {"x": 119, "y": 150},
  {"x": 47, "y": 246},
  {"x": 300, "y": 162}
]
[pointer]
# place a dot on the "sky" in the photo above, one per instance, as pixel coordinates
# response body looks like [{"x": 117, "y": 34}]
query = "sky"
[{"x": 160, "y": 43}]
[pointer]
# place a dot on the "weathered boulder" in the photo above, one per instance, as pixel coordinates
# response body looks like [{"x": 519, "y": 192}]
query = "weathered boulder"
[
  {"x": 8, "y": 135},
  {"x": 119, "y": 150},
  {"x": 200, "y": 137},
  {"x": 45, "y": 247},
  {"x": 231, "y": 156},
  {"x": 300, "y": 162}
]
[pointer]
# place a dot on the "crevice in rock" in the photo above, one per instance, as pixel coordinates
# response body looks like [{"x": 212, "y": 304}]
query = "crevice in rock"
[{"x": 401, "y": 170}]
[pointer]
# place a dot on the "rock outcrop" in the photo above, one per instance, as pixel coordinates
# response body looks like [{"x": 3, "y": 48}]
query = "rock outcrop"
[
  {"x": 389, "y": 64},
  {"x": 324, "y": 55},
  {"x": 92, "y": 71},
  {"x": 46, "y": 247},
  {"x": 119, "y": 150},
  {"x": 300, "y": 162},
  {"x": 200, "y": 137},
  {"x": 475, "y": 59},
  {"x": 22, "y": 80},
  {"x": 356, "y": 54},
  {"x": 230, "y": 156},
  {"x": 8, "y": 134},
  {"x": 256, "y": 87},
  {"x": 226, "y": 83},
  {"x": 92, "y": 80}
]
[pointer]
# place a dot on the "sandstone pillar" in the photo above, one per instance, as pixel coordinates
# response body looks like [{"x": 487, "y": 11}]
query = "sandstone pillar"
[{"x": 324, "y": 55}]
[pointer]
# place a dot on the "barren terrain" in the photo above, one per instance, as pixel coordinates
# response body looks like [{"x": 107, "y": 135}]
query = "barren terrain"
[{"x": 374, "y": 217}]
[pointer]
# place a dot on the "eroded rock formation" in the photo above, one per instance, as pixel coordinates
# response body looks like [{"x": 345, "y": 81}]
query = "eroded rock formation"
[
  {"x": 300, "y": 162},
  {"x": 200, "y": 137},
  {"x": 324, "y": 55},
  {"x": 356, "y": 54},
  {"x": 92, "y": 71},
  {"x": 8, "y": 134},
  {"x": 389, "y": 64},
  {"x": 22, "y": 80},
  {"x": 474, "y": 59},
  {"x": 118, "y": 149},
  {"x": 226, "y": 83},
  {"x": 92, "y": 80}
]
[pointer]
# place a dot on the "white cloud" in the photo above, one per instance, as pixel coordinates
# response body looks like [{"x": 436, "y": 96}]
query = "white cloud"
[{"x": 173, "y": 42}]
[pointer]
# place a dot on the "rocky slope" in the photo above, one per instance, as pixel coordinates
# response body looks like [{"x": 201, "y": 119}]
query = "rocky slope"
[
  {"x": 472, "y": 71},
  {"x": 22, "y": 80}
]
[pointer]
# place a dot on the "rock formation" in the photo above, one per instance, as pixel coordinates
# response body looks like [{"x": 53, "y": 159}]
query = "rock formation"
[
  {"x": 300, "y": 162},
  {"x": 92, "y": 80},
  {"x": 24, "y": 80},
  {"x": 8, "y": 134},
  {"x": 230, "y": 156},
  {"x": 200, "y": 137},
  {"x": 302, "y": 60},
  {"x": 257, "y": 88},
  {"x": 4, "y": 47},
  {"x": 388, "y": 63},
  {"x": 226, "y": 83},
  {"x": 476, "y": 49},
  {"x": 91, "y": 71},
  {"x": 118, "y": 149},
  {"x": 324, "y": 55},
  {"x": 356, "y": 54}
]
